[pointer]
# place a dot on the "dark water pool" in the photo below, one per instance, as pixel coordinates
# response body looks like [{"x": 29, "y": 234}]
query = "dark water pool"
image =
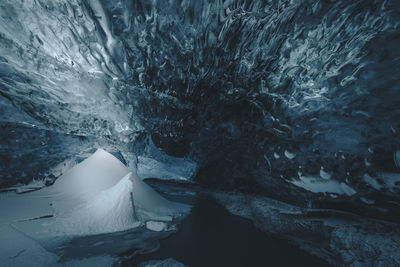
[{"x": 210, "y": 236}]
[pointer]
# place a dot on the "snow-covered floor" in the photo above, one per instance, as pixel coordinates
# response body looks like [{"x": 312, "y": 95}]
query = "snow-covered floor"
[
  {"x": 99, "y": 195},
  {"x": 17, "y": 248}
]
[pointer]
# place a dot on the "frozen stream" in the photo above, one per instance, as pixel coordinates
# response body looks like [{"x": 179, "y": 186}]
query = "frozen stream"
[{"x": 211, "y": 236}]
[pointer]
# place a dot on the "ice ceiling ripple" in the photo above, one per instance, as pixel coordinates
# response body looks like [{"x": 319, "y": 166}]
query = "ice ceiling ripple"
[{"x": 248, "y": 89}]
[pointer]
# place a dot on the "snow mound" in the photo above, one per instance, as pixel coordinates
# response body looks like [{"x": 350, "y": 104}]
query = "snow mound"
[
  {"x": 318, "y": 185},
  {"x": 126, "y": 205},
  {"x": 98, "y": 172},
  {"x": 111, "y": 210},
  {"x": 101, "y": 195}
]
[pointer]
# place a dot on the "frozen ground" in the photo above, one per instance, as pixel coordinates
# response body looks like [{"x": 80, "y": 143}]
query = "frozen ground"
[
  {"x": 341, "y": 238},
  {"x": 99, "y": 195},
  {"x": 95, "y": 220}
]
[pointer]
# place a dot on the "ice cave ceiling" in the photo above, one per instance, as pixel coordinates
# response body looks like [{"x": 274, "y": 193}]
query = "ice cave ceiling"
[{"x": 254, "y": 92}]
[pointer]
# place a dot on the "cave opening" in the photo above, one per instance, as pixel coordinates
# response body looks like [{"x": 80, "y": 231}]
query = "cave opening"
[{"x": 282, "y": 112}]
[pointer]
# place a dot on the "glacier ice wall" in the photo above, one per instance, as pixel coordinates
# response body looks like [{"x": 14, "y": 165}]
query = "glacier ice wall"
[{"x": 250, "y": 90}]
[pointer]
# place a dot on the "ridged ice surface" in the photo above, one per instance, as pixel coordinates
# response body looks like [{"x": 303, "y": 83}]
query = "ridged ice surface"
[{"x": 234, "y": 85}]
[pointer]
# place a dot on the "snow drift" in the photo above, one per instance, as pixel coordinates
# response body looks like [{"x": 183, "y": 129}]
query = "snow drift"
[
  {"x": 111, "y": 210},
  {"x": 100, "y": 195}
]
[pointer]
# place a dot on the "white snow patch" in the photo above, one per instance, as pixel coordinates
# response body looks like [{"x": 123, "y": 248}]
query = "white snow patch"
[
  {"x": 289, "y": 155},
  {"x": 318, "y": 185},
  {"x": 325, "y": 175},
  {"x": 391, "y": 180},
  {"x": 371, "y": 181},
  {"x": 156, "y": 226},
  {"x": 367, "y": 201}
]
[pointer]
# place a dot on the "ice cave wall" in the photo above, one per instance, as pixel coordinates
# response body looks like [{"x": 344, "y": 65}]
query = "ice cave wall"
[{"x": 254, "y": 91}]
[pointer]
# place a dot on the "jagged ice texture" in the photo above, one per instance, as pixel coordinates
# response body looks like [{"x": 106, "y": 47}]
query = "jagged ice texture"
[{"x": 234, "y": 86}]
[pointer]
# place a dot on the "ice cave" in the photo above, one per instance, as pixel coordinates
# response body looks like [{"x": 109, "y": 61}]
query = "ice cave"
[{"x": 199, "y": 133}]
